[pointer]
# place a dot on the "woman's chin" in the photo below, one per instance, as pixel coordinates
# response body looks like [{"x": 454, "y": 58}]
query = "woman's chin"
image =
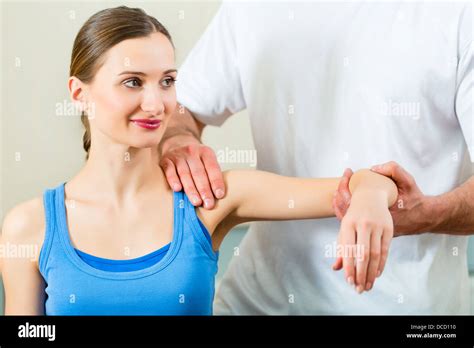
[{"x": 147, "y": 145}]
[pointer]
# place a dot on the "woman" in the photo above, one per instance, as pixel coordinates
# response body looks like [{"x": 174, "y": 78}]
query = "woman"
[{"x": 115, "y": 239}]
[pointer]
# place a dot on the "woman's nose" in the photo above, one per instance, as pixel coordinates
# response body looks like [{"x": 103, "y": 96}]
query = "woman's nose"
[{"x": 152, "y": 102}]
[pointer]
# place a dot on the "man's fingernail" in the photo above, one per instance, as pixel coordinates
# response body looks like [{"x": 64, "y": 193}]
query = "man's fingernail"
[
  {"x": 368, "y": 286},
  {"x": 176, "y": 187},
  {"x": 375, "y": 167},
  {"x": 350, "y": 280},
  {"x": 360, "y": 288},
  {"x": 195, "y": 200},
  {"x": 378, "y": 273},
  {"x": 219, "y": 193},
  {"x": 207, "y": 203}
]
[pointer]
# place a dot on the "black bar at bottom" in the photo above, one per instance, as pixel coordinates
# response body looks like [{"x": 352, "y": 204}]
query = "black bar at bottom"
[{"x": 291, "y": 330}]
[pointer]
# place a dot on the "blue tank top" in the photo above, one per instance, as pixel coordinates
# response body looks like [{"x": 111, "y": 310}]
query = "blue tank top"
[
  {"x": 123, "y": 265},
  {"x": 131, "y": 264},
  {"x": 177, "y": 279}
]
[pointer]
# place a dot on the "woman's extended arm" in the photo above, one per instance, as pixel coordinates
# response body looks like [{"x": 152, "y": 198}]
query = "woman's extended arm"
[
  {"x": 259, "y": 195},
  {"x": 23, "y": 284}
]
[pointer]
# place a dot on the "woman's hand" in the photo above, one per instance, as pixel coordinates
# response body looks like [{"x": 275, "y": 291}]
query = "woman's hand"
[
  {"x": 364, "y": 238},
  {"x": 412, "y": 213},
  {"x": 367, "y": 227}
]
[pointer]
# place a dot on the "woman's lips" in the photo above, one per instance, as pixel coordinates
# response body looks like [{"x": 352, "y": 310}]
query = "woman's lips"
[{"x": 147, "y": 123}]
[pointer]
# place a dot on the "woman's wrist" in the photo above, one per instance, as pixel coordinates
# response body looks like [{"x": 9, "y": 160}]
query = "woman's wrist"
[
  {"x": 370, "y": 196},
  {"x": 374, "y": 184}
]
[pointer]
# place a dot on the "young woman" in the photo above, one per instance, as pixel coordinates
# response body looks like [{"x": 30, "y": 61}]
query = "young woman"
[{"x": 115, "y": 239}]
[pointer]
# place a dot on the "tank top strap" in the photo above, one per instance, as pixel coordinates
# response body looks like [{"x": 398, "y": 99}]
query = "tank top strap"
[
  {"x": 194, "y": 229},
  {"x": 50, "y": 203}
]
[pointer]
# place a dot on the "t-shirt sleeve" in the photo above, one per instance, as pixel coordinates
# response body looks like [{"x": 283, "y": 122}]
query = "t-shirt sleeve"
[
  {"x": 465, "y": 79},
  {"x": 208, "y": 82}
]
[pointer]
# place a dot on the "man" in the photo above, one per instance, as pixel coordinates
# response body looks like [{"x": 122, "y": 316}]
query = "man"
[{"x": 329, "y": 86}]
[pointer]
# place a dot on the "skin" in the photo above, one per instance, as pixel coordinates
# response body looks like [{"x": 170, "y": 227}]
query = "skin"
[
  {"x": 190, "y": 165},
  {"x": 119, "y": 205},
  {"x": 417, "y": 213}
]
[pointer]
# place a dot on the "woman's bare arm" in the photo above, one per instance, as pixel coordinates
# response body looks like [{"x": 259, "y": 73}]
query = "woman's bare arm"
[
  {"x": 23, "y": 283},
  {"x": 259, "y": 195}
]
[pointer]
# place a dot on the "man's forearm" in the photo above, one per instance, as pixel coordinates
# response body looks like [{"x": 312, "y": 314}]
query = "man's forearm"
[
  {"x": 453, "y": 212},
  {"x": 182, "y": 128}
]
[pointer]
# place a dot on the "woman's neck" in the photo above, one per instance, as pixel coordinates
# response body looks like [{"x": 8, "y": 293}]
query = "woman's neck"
[{"x": 122, "y": 173}]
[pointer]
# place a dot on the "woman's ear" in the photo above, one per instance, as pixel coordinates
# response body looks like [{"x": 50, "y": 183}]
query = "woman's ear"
[{"x": 77, "y": 92}]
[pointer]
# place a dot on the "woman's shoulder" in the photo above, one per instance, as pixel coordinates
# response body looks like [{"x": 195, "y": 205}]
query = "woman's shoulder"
[
  {"x": 24, "y": 224},
  {"x": 23, "y": 219},
  {"x": 236, "y": 182}
]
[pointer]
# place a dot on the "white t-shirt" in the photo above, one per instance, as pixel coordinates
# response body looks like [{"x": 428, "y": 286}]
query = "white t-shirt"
[{"x": 335, "y": 85}]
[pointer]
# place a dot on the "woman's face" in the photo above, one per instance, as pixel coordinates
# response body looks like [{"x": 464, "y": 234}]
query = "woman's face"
[{"x": 135, "y": 82}]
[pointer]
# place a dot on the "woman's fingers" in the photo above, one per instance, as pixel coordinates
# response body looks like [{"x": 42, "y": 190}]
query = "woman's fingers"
[
  {"x": 346, "y": 245},
  {"x": 385, "y": 243},
  {"x": 337, "y": 264},
  {"x": 363, "y": 256},
  {"x": 374, "y": 262}
]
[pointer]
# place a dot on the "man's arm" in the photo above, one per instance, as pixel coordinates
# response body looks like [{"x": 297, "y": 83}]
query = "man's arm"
[
  {"x": 181, "y": 126},
  {"x": 188, "y": 163},
  {"x": 452, "y": 212},
  {"x": 416, "y": 213}
]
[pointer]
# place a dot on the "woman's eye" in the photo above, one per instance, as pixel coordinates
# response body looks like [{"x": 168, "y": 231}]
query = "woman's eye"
[
  {"x": 133, "y": 83},
  {"x": 168, "y": 82}
]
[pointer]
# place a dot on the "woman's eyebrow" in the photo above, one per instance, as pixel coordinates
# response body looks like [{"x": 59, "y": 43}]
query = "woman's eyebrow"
[
  {"x": 143, "y": 74},
  {"x": 170, "y": 71}
]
